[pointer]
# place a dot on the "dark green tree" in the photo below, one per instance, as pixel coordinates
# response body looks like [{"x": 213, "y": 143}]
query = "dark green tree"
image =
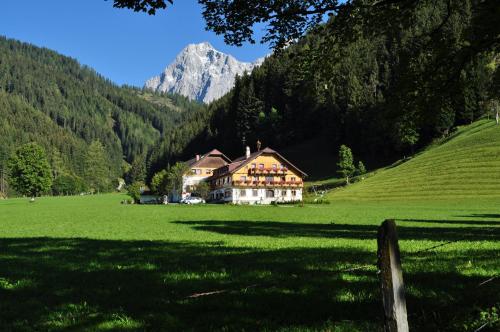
[
  {"x": 68, "y": 185},
  {"x": 361, "y": 169},
  {"x": 156, "y": 182},
  {"x": 173, "y": 181},
  {"x": 97, "y": 175},
  {"x": 137, "y": 172},
  {"x": 30, "y": 173},
  {"x": 57, "y": 163},
  {"x": 247, "y": 111},
  {"x": 406, "y": 135},
  {"x": 345, "y": 164}
]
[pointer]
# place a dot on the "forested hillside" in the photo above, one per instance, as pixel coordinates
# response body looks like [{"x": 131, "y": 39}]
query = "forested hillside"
[
  {"x": 383, "y": 85},
  {"x": 63, "y": 106}
]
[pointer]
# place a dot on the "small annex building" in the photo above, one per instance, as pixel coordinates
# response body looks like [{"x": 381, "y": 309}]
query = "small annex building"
[{"x": 201, "y": 168}]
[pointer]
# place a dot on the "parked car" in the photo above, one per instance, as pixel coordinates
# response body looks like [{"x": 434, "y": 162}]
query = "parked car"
[{"x": 193, "y": 200}]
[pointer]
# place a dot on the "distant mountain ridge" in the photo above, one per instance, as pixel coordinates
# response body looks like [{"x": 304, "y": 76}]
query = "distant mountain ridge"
[
  {"x": 52, "y": 100},
  {"x": 201, "y": 73}
]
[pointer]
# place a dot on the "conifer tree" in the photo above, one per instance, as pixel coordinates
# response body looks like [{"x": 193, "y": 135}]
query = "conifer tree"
[
  {"x": 97, "y": 168},
  {"x": 57, "y": 163},
  {"x": 137, "y": 172},
  {"x": 361, "y": 168}
]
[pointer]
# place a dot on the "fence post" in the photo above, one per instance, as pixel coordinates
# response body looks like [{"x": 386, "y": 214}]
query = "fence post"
[{"x": 391, "y": 278}]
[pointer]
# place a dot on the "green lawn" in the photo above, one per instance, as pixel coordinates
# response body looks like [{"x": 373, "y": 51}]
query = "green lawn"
[{"x": 90, "y": 263}]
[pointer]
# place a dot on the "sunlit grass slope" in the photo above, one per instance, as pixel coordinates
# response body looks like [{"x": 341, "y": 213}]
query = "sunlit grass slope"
[{"x": 466, "y": 165}]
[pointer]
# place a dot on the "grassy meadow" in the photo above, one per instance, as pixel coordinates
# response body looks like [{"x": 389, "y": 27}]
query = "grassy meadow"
[
  {"x": 90, "y": 263},
  {"x": 464, "y": 165}
]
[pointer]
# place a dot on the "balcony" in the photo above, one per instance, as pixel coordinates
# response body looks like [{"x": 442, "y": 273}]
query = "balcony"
[
  {"x": 266, "y": 184},
  {"x": 268, "y": 170}
]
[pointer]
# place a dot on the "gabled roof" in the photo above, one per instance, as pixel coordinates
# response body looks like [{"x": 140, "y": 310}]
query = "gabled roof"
[
  {"x": 204, "y": 158},
  {"x": 243, "y": 161}
]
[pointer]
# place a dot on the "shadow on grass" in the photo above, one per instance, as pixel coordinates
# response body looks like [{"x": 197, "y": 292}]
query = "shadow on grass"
[
  {"x": 78, "y": 283},
  {"x": 345, "y": 231},
  {"x": 82, "y": 284},
  {"x": 483, "y": 215},
  {"x": 458, "y": 222}
]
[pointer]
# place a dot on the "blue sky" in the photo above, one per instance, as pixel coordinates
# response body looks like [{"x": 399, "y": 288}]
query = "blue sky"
[{"x": 122, "y": 45}]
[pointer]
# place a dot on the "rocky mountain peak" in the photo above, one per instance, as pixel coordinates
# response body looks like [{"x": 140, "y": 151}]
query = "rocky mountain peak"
[{"x": 200, "y": 72}]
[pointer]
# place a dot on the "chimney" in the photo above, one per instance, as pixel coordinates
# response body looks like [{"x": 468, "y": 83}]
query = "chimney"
[
  {"x": 197, "y": 157},
  {"x": 258, "y": 145},
  {"x": 248, "y": 152}
]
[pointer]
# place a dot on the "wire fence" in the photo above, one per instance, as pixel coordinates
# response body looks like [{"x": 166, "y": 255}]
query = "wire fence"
[{"x": 355, "y": 268}]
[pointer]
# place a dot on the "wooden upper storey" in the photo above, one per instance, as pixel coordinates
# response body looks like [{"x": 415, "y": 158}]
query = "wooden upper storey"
[
  {"x": 204, "y": 165},
  {"x": 266, "y": 168}
]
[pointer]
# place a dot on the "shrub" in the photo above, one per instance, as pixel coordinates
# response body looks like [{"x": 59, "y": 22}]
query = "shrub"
[
  {"x": 68, "y": 185},
  {"x": 134, "y": 191}
]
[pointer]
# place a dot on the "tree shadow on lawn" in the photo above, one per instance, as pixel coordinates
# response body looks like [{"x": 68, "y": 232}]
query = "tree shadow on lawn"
[
  {"x": 483, "y": 215},
  {"x": 345, "y": 231},
  {"x": 457, "y": 222},
  {"x": 81, "y": 284}
]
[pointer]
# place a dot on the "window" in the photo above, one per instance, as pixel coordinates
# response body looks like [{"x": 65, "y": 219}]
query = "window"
[
  {"x": 254, "y": 166},
  {"x": 283, "y": 179},
  {"x": 294, "y": 193},
  {"x": 282, "y": 166},
  {"x": 227, "y": 193},
  {"x": 269, "y": 193},
  {"x": 293, "y": 178},
  {"x": 256, "y": 178},
  {"x": 275, "y": 166},
  {"x": 283, "y": 193},
  {"x": 243, "y": 178},
  {"x": 269, "y": 178},
  {"x": 255, "y": 193},
  {"x": 261, "y": 166},
  {"x": 243, "y": 193},
  {"x": 208, "y": 171}
]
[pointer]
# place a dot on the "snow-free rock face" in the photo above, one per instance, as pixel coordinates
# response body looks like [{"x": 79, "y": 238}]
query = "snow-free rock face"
[{"x": 201, "y": 73}]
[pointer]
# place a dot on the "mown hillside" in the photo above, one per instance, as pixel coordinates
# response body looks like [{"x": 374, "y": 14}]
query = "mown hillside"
[
  {"x": 466, "y": 165},
  {"x": 56, "y": 102}
]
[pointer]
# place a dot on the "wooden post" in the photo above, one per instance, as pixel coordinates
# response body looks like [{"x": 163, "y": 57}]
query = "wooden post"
[{"x": 391, "y": 278}]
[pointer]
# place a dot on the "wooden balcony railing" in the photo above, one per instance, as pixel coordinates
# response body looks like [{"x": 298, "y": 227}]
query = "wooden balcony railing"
[
  {"x": 267, "y": 183},
  {"x": 267, "y": 170}
]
